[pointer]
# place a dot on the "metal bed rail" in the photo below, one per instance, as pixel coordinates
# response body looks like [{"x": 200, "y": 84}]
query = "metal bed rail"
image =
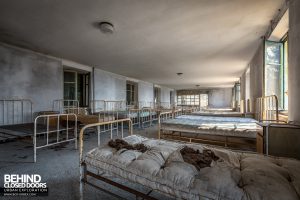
[
  {"x": 162, "y": 117},
  {"x": 267, "y": 108},
  {"x": 146, "y": 104},
  {"x": 97, "y": 106},
  {"x": 53, "y": 125},
  {"x": 162, "y": 105},
  {"x": 177, "y": 112},
  {"x": 66, "y": 106},
  {"x": 146, "y": 116},
  {"x": 135, "y": 116},
  {"x": 15, "y": 111},
  {"x": 115, "y": 105},
  {"x": 83, "y": 169}
]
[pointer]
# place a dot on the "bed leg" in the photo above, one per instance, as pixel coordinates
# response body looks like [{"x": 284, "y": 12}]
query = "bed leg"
[{"x": 83, "y": 179}]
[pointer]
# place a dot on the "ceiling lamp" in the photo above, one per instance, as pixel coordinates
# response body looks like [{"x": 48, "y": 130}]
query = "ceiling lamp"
[
  {"x": 197, "y": 85},
  {"x": 106, "y": 27},
  {"x": 179, "y": 74}
]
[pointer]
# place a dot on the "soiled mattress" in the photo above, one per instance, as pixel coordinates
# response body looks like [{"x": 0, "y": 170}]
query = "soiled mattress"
[
  {"x": 235, "y": 175},
  {"x": 221, "y": 126}
]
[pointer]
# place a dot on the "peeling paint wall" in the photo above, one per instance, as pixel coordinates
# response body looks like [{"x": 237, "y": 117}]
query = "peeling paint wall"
[
  {"x": 109, "y": 86},
  {"x": 32, "y": 76}
]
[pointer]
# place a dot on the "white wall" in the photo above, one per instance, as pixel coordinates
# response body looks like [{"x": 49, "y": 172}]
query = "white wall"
[
  {"x": 145, "y": 91},
  {"x": 294, "y": 61},
  {"x": 109, "y": 86},
  {"x": 220, "y": 98},
  {"x": 165, "y": 94},
  {"x": 28, "y": 75}
]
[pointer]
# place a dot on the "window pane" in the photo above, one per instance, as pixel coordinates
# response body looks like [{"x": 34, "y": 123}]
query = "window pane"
[
  {"x": 274, "y": 72},
  {"x": 69, "y": 77},
  {"x": 69, "y": 91},
  {"x": 273, "y": 53}
]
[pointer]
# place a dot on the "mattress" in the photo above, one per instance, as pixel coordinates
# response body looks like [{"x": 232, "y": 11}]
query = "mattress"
[
  {"x": 218, "y": 113},
  {"x": 120, "y": 114},
  {"x": 221, "y": 126},
  {"x": 218, "y": 109},
  {"x": 235, "y": 175},
  {"x": 89, "y": 119}
]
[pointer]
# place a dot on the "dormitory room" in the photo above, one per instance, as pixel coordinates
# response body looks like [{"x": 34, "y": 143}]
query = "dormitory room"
[{"x": 150, "y": 99}]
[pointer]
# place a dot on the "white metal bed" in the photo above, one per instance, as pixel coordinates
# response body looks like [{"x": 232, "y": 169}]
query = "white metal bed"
[{"x": 17, "y": 123}]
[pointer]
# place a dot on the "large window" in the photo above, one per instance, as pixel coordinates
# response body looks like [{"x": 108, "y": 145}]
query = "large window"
[
  {"x": 188, "y": 100},
  {"x": 276, "y": 68}
]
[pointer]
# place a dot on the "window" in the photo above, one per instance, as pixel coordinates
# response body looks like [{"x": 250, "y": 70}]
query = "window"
[
  {"x": 157, "y": 93},
  {"x": 188, "y": 100},
  {"x": 131, "y": 93},
  {"x": 276, "y": 71},
  {"x": 203, "y": 100},
  {"x": 76, "y": 87},
  {"x": 70, "y": 86},
  {"x": 237, "y": 94}
]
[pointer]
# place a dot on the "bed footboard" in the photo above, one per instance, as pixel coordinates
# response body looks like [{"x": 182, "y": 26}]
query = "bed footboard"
[
  {"x": 84, "y": 173},
  {"x": 65, "y": 130}
]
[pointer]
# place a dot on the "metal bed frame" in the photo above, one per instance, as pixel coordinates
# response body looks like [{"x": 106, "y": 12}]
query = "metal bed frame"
[
  {"x": 15, "y": 111},
  {"x": 66, "y": 106},
  {"x": 267, "y": 108},
  {"x": 226, "y": 142},
  {"x": 85, "y": 173},
  {"x": 50, "y": 119},
  {"x": 17, "y": 122}
]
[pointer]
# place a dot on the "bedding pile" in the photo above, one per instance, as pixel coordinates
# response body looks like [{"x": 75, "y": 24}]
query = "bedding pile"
[
  {"x": 198, "y": 159},
  {"x": 234, "y": 176},
  {"x": 121, "y": 144}
]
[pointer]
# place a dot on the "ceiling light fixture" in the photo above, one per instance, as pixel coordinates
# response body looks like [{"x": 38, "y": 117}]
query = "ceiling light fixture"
[
  {"x": 106, "y": 27},
  {"x": 197, "y": 85},
  {"x": 179, "y": 74}
]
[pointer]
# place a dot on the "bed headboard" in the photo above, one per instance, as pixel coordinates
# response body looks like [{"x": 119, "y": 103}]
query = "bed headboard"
[
  {"x": 15, "y": 111},
  {"x": 66, "y": 106},
  {"x": 267, "y": 108},
  {"x": 115, "y": 105}
]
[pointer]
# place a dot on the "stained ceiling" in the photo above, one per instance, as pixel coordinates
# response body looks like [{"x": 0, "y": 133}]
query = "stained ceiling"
[{"x": 209, "y": 41}]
